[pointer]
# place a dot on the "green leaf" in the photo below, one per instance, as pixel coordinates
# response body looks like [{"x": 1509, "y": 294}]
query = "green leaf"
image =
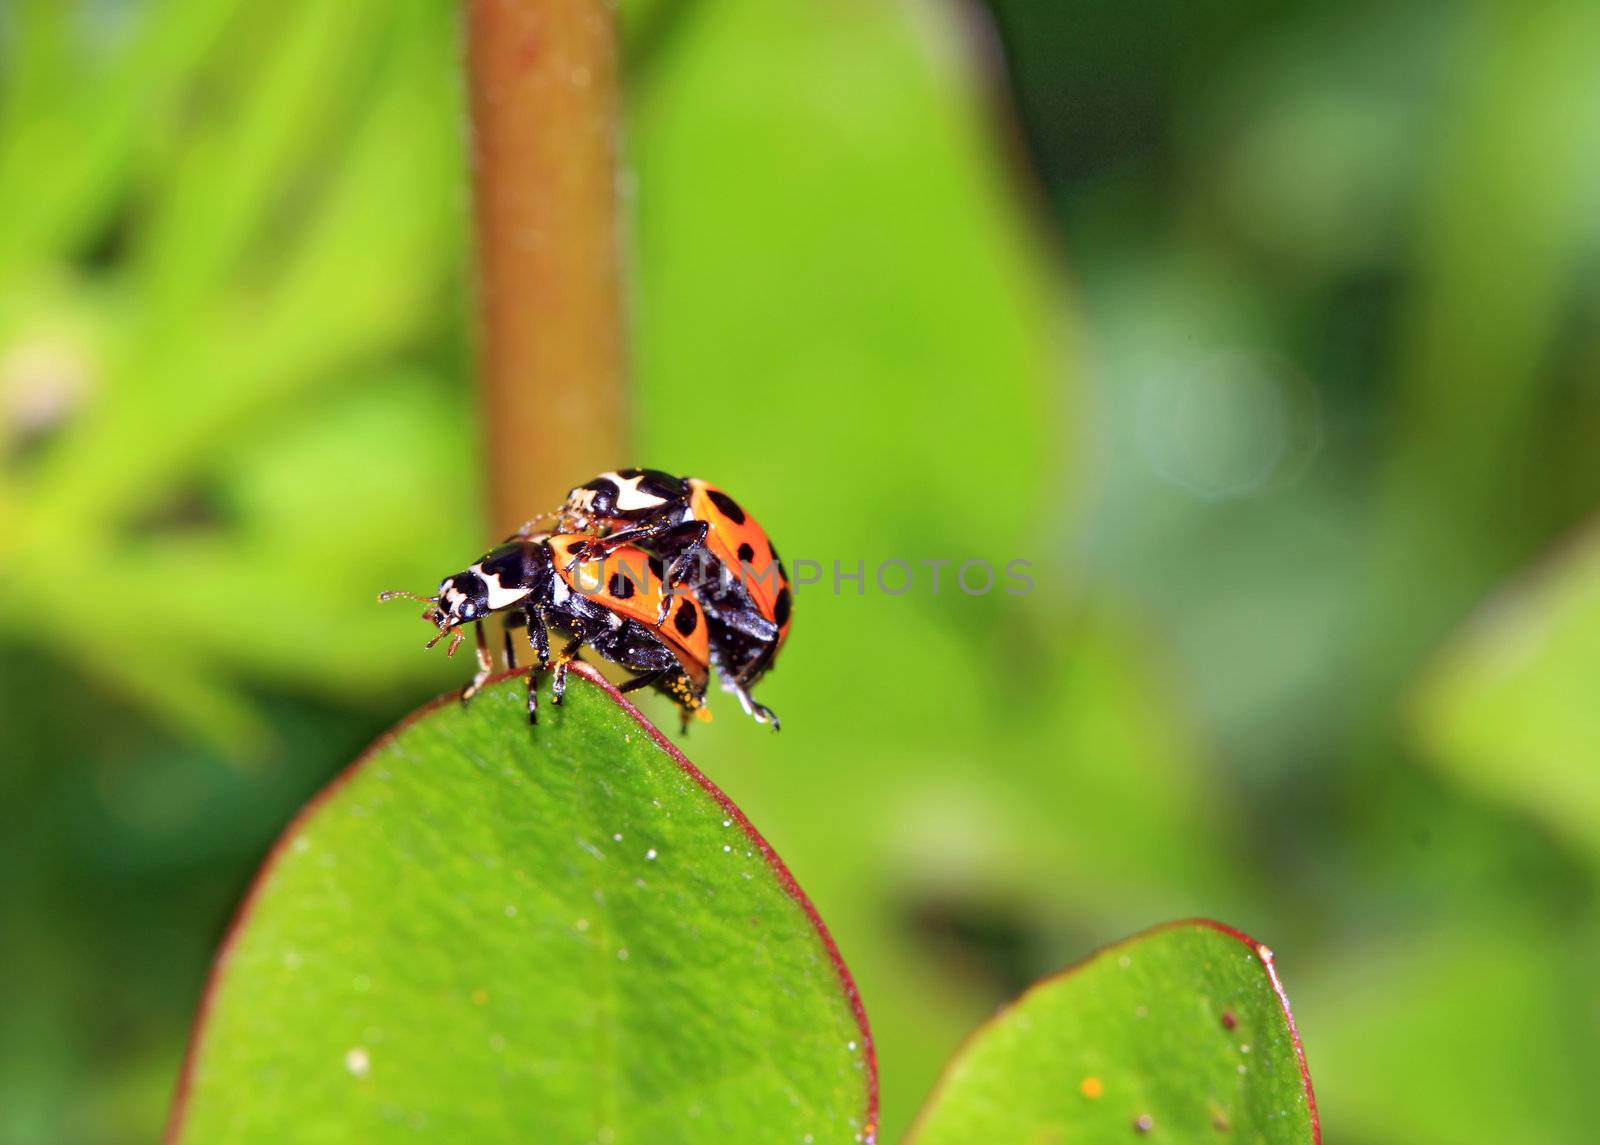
[
  {"x": 492, "y": 932},
  {"x": 1183, "y": 1033}
]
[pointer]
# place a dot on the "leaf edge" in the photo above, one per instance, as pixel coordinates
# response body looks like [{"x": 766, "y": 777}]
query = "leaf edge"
[
  {"x": 220, "y": 964},
  {"x": 1261, "y": 950}
]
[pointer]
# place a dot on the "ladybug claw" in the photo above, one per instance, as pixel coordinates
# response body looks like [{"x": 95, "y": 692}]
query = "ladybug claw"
[{"x": 587, "y": 551}]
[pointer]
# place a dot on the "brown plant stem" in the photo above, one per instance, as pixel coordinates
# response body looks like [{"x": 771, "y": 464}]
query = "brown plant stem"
[{"x": 542, "y": 77}]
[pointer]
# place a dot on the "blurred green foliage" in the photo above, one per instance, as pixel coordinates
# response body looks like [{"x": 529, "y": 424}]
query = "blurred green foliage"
[
  {"x": 1509, "y": 709},
  {"x": 1321, "y": 380}
]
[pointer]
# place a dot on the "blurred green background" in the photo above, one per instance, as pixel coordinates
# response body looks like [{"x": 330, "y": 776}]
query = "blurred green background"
[{"x": 1270, "y": 334}]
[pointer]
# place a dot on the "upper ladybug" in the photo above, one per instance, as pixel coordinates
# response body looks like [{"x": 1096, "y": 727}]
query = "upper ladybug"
[{"x": 742, "y": 588}]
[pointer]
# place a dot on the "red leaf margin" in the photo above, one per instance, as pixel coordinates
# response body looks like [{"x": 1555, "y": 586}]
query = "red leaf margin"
[
  {"x": 786, "y": 880},
  {"x": 1262, "y": 952}
]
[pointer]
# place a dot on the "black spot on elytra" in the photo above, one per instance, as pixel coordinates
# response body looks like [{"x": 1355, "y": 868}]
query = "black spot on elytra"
[
  {"x": 730, "y": 507},
  {"x": 746, "y": 553},
  {"x": 780, "y": 607},
  {"x": 687, "y": 619},
  {"x": 620, "y": 586},
  {"x": 772, "y": 548}
]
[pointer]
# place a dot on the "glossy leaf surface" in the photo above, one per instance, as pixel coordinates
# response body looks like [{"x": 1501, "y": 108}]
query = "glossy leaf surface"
[
  {"x": 1179, "y": 1034},
  {"x": 495, "y": 933}
]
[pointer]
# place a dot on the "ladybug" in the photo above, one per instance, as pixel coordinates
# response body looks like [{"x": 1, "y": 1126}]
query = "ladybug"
[
  {"x": 708, "y": 539},
  {"x": 615, "y": 603}
]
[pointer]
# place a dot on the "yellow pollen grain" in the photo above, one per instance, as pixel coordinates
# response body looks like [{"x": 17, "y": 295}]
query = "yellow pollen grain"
[{"x": 1092, "y": 1087}]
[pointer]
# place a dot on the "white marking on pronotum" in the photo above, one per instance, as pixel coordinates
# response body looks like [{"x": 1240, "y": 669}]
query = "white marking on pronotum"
[
  {"x": 630, "y": 497},
  {"x": 500, "y": 596}
]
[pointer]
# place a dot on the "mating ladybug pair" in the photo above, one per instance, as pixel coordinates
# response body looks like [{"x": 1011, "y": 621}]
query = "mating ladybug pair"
[{"x": 667, "y": 576}]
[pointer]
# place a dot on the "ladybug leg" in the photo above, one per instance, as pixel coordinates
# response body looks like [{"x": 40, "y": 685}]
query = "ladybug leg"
[
  {"x": 643, "y": 681},
  {"x": 535, "y": 524},
  {"x": 667, "y": 536},
  {"x": 691, "y": 700},
  {"x": 584, "y": 552},
  {"x": 540, "y": 639},
  {"x": 511, "y": 649},
  {"x": 634, "y": 646},
  {"x": 558, "y": 688},
  {"x": 667, "y": 597},
  {"x": 683, "y": 549},
  {"x": 485, "y": 664},
  {"x": 756, "y": 664},
  {"x": 738, "y": 665},
  {"x": 599, "y": 547},
  {"x": 680, "y": 545},
  {"x": 743, "y": 617},
  {"x": 757, "y": 711}
]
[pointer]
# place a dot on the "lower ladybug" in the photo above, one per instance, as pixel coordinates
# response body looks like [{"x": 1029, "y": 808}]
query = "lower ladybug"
[
  {"x": 707, "y": 540},
  {"x": 610, "y": 603}
]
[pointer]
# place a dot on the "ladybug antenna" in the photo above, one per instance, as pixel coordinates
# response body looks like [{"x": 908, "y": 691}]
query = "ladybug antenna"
[
  {"x": 528, "y": 529},
  {"x": 433, "y": 615},
  {"x": 402, "y": 594}
]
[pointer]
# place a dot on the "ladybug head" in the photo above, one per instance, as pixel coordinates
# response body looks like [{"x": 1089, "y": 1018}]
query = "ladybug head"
[
  {"x": 462, "y": 599},
  {"x": 502, "y": 578},
  {"x": 597, "y": 498},
  {"x": 626, "y": 493}
]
